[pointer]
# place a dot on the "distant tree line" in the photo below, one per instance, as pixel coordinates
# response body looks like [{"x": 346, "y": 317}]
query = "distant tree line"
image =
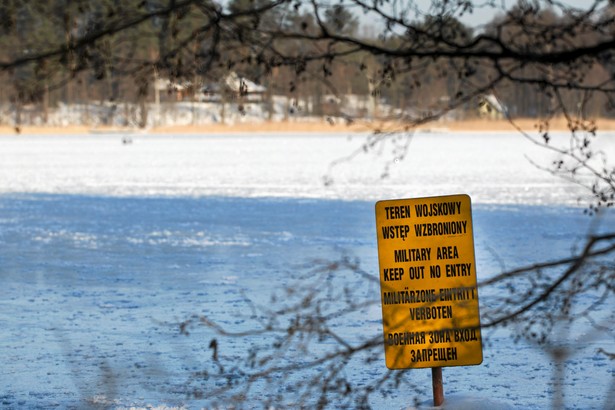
[{"x": 537, "y": 59}]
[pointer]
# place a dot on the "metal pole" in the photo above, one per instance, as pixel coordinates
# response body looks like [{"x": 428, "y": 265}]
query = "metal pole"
[{"x": 438, "y": 390}]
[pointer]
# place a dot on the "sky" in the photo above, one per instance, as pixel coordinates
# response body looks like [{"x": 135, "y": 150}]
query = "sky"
[{"x": 482, "y": 15}]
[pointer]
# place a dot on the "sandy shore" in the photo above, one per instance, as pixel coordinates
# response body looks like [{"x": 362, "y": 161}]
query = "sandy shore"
[{"x": 297, "y": 126}]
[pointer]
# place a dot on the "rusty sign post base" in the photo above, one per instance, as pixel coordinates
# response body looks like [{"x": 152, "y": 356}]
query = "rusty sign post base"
[{"x": 438, "y": 390}]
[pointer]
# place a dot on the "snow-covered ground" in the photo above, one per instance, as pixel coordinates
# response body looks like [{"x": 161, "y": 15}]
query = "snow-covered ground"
[
  {"x": 190, "y": 112},
  {"x": 491, "y": 168},
  {"x": 105, "y": 245}
]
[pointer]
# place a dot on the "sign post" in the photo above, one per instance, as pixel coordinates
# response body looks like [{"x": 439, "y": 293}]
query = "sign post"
[
  {"x": 428, "y": 284},
  {"x": 437, "y": 386}
]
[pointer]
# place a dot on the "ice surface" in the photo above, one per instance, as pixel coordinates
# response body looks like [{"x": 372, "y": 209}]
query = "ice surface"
[
  {"x": 490, "y": 167},
  {"x": 104, "y": 247}
]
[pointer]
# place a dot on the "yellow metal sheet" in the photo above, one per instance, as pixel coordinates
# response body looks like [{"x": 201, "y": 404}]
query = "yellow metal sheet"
[{"x": 428, "y": 282}]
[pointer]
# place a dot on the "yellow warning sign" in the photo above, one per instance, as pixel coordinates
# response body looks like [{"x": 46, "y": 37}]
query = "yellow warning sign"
[{"x": 428, "y": 282}]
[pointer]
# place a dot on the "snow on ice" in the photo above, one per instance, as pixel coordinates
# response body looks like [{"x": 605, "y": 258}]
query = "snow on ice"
[{"x": 104, "y": 245}]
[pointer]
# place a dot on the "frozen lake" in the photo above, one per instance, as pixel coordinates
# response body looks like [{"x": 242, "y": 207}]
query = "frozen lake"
[
  {"x": 105, "y": 246},
  {"x": 491, "y": 168}
]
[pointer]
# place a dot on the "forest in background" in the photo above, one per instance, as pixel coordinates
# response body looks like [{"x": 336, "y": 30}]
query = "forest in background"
[{"x": 306, "y": 60}]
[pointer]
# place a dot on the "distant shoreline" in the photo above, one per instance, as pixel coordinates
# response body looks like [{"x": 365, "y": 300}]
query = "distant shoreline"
[{"x": 303, "y": 126}]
